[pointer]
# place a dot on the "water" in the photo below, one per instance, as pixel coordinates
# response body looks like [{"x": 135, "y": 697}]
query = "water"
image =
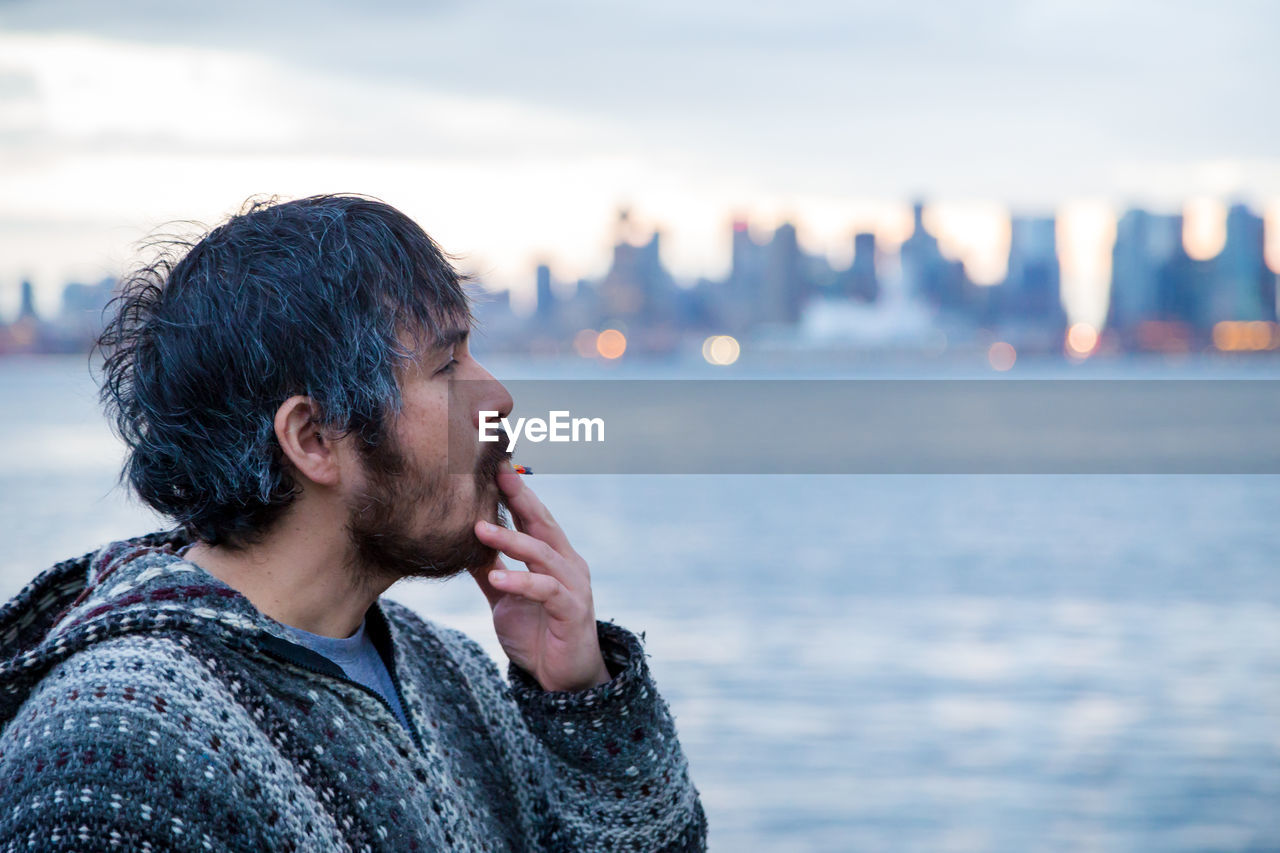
[{"x": 881, "y": 663}]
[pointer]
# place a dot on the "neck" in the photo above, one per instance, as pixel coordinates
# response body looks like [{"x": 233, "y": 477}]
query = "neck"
[{"x": 299, "y": 576}]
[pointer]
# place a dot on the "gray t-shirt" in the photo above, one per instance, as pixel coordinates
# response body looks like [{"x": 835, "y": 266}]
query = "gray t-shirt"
[{"x": 358, "y": 658}]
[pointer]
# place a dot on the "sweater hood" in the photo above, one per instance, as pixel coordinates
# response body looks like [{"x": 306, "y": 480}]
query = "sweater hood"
[{"x": 137, "y": 585}]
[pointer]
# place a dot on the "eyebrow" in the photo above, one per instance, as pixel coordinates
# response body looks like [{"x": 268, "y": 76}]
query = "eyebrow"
[{"x": 450, "y": 338}]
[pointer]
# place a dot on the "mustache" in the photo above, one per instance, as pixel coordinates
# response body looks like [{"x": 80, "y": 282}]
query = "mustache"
[
  {"x": 491, "y": 461},
  {"x": 493, "y": 457}
]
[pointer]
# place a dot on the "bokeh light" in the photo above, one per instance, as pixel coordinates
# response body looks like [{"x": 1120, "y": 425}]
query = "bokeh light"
[
  {"x": 1002, "y": 355},
  {"x": 611, "y": 343},
  {"x": 1082, "y": 340},
  {"x": 1251, "y": 336},
  {"x": 721, "y": 350},
  {"x": 584, "y": 343}
]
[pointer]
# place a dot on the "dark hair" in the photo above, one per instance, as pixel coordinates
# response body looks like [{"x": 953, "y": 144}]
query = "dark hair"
[{"x": 206, "y": 342}]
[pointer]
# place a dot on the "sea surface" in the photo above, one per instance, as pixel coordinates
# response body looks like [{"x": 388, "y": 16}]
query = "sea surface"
[{"x": 894, "y": 662}]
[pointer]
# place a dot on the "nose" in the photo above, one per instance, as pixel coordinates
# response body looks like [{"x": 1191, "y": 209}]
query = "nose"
[{"x": 493, "y": 396}]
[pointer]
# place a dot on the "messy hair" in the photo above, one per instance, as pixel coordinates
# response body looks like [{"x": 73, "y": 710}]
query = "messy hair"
[{"x": 203, "y": 344}]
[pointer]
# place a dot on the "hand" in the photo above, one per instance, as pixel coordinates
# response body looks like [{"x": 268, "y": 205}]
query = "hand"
[{"x": 545, "y": 618}]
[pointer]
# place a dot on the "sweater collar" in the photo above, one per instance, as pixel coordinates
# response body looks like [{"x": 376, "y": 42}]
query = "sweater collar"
[
  {"x": 147, "y": 576},
  {"x": 138, "y": 585}
]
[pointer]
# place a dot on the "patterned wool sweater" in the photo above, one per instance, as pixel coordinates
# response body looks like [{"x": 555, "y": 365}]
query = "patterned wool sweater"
[{"x": 146, "y": 705}]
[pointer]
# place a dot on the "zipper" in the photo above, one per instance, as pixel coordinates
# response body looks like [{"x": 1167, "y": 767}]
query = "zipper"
[{"x": 395, "y": 681}]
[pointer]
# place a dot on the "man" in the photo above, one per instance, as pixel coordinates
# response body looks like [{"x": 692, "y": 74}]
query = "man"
[{"x": 286, "y": 388}]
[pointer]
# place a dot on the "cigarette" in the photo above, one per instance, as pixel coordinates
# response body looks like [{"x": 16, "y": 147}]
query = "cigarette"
[{"x": 522, "y": 469}]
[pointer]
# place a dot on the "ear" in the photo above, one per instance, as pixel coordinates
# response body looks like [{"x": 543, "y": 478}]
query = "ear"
[{"x": 308, "y": 445}]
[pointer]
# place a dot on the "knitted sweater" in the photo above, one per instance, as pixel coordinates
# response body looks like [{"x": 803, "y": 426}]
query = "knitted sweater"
[{"x": 145, "y": 705}]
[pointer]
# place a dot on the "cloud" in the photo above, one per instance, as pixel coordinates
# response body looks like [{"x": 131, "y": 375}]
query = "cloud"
[
  {"x": 86, "y": 93},
  {"x": 1176, "y": 77}
]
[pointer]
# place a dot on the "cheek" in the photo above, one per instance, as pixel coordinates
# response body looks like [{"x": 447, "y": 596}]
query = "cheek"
[{"x": 426, "y": 429}]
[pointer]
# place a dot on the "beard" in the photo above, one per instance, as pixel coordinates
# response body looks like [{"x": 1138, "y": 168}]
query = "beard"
[{"x": 381, "y": 518}]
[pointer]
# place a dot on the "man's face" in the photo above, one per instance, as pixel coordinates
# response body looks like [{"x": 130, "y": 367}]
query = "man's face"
[{"x": 412, "y": 517}]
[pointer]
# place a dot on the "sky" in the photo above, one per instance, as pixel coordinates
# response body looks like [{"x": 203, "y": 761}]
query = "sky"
[{"x": 513, "y": 132}]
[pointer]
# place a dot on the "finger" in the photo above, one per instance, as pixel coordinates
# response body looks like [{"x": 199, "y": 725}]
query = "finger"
[
  {"x": 540, "y": 557},
  {"x": 533, "y": 517},
  {"x": 544, "y": 589},
  {"x": 480, "y": 574}
]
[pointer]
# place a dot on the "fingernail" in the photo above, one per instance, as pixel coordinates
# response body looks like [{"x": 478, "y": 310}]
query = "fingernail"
[{"x": 497, "y": 576}]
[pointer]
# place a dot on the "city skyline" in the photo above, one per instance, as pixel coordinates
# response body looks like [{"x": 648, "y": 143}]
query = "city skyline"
[
  {"x": 1203, "y": 232},
  {"x": 1162, "y": 296}
]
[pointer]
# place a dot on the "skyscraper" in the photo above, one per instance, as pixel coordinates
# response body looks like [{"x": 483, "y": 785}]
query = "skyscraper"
[
  {"x": 28, "y": 309},
  {"x": 860, "y": 280},
  {"x": 926, "y": 273},
  {"x": 637, "y": 285},
  {"x": 742, "y": 291},
  {"x": 1242, "y": 287},
  {"x": 1145, "y": 264},
  {"x": 546, "y": 299},
  {"x": 1033, "y": 286},
  {"x": 784, "y": 287}
]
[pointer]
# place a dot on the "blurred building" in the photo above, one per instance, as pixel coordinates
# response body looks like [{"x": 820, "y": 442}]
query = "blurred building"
[
  {"x": 1242, "y": 287},
  {"x": 1153, "y": 303},
  {"x": 1146, "y": 247},
  {"x": 743, "y": 288},
  {"x": 926, "y": 272},
  {"x": 769, "y": 283},
  {"x": 1032, "y": 290},
  {"x": 637, "y": 287},
  {"x": 546, "y": 300},
  {"x": 860, "y": 280},
  {"x": 785, "y": 286},
  {"x": 82, "y": 308},
  {"x": 497, "y": 326},
  {"x": 26, "y": 333},
  {"x": 27, "y": 310}
]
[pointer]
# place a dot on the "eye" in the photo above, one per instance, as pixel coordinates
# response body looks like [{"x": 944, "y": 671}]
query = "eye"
[{"x": 448, "y": 368}]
